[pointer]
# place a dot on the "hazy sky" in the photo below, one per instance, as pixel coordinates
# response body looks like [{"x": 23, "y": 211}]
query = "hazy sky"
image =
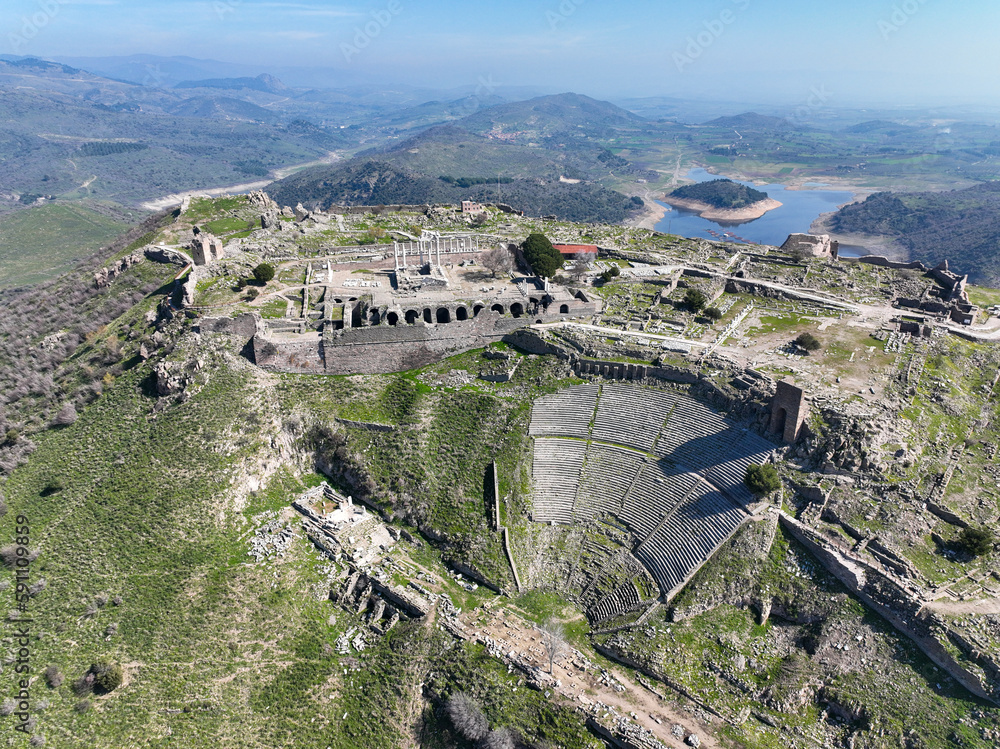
[{"x": 840, "y": 51}]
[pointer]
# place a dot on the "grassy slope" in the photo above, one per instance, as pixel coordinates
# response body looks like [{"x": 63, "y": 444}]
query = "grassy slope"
[
  {"x": 41, "y": 242},
  {"x": 214, "y": 648}
]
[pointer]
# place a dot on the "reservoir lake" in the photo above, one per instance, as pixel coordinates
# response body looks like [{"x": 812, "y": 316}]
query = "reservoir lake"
[{"x": 798, "y": 211}]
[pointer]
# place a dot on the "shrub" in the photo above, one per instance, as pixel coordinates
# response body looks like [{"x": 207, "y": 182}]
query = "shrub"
[
  {"x": 713, "y": 313},
  {"x": 54, "y": 677},
  {"x": 763, "y": 479},
  {"x": 252, "y": 294},
  {"x": 263, "y": 273},
  {"x": 107, "y": 677},
  {"x": 808, "y": 342},
  {"x": 613, "y": 272},
  {"x": 66, "y": 416},
  {"x": 84, "y": 685},
  {"x": 467, "y": 716},
  {"x": 695, "y": 299},
  {"x": 975, "y": 541}
]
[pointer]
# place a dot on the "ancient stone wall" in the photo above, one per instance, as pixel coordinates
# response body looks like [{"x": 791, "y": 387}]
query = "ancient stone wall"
[
  {"x": 884, "y": 262},
  {"x": 886, "y": 597},
  {"x": 615, "y": 370}
]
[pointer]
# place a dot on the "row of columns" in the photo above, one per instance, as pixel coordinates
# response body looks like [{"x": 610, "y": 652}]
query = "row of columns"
[{"x": 433, "y": 248}]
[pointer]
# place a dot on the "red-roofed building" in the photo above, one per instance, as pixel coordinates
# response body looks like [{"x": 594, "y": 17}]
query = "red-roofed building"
[{"x": 578, "y": 251}]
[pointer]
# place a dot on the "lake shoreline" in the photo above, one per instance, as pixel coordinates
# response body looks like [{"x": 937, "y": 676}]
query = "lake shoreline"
[{"x": 711, "y": 213}]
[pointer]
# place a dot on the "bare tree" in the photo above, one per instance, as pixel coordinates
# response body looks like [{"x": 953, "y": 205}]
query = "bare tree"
[
  {"x": 552, "y": 640},
  {"x": 500, "y": 738},
  {"x": 67, "y": 415},
  {"x": 467, "y": 716},
  {"x": 578, "y": 270},
  {"x": 498, "y": 260}
]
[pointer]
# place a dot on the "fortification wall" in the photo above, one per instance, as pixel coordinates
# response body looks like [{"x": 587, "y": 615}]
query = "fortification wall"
[
  {"x": 884, "y": 262},
  {"x": 382, "y": 349},
  {"x": 895, "y": 604}
]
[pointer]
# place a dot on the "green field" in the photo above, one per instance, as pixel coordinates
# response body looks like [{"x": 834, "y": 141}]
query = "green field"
[{"x": 42, "y": 242}]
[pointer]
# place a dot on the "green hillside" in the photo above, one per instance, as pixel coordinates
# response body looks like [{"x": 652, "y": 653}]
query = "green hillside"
[
  {"x": 370, "y": 182},
  {"x": 42, "y": 242},
  {"x": 720, "y": 193},
  {"x": 960, "y": 226}
]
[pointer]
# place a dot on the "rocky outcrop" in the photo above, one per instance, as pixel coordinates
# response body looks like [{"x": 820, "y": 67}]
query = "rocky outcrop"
[
  {"x": 106, "y": 275},
  {"x": 171, "y": 377}
]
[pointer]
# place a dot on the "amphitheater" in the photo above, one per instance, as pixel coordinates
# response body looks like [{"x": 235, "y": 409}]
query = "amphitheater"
[{"x": 658, "y": 473}]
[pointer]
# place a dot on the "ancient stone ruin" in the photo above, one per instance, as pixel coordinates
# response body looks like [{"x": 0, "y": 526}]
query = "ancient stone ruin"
[
  {"x": 811, "y": 245},
  {"x": 788, "y": 411},
  {"x": 206, "y": 249}
]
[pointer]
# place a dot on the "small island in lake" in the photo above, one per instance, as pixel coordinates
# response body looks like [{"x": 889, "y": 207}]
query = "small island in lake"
[{"x": 722, "y": 200}]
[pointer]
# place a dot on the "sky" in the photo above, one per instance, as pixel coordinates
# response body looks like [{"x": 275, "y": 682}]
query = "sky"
[{"x": 804, "y": 53}]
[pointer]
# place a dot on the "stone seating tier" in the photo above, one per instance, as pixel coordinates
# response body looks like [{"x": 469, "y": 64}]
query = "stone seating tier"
[{"x": 679, "y": 509}]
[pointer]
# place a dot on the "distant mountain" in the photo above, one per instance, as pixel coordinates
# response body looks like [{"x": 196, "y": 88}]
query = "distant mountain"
[
  {"x": 57, "y": 81},
  {"x": 264, "y": 82},
  {"x": 437, "y": 112},
  {"x": 552, "y": 117},
  {"x": 452, "y": 150},
  {"x": 753, "y": 121},
  {"x": 222, "y": 108},
  {"x": 373, "y": 182},
  {"x": 960, "y": 226},
  {"x": 36, "y": 64},
  {"x": 680, "y": 110},
  {"x": 156, "y": 70},
  {"x": 884, "y": 127},
  {"x": 550, "y": 168}
]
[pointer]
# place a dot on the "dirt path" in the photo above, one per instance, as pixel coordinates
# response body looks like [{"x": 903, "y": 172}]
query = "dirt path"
[
  {"x": 986, "y": 606},
  {"x": 411, "y": 718},
  {"x": 175, "y": 199},
  {"x": 581, "y": 682}
]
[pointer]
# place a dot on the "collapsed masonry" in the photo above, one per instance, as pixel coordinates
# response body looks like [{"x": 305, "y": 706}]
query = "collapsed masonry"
[{"x": 345, "y": 531}]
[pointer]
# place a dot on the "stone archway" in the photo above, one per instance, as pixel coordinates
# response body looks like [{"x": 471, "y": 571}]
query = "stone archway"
[
  {"x": 497, "y": 308},
  {"x": 563, "y": 309},
  {"x": 477, "y": 309},
  {"x": 392, "y": 318},
  {"x": 443, "y": 315},
  {"x": 461, "y": 313},
  {"x": 428, "y": 316},
  {"x": 517, "y": 309},
  {"x": 412, "y": 316}
]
